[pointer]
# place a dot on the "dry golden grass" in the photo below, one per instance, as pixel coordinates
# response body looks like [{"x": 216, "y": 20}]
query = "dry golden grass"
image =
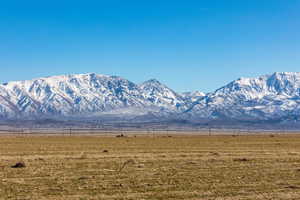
[{"x": 160, "y": 168}]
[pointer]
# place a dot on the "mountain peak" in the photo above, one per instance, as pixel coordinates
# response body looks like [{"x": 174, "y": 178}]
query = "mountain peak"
[
  {"x": 265, "y": 97},
  {"x": 194, "y": 93},
  {"x": 285, "y": 76},
  {"x": 160, "y": 94},
  {"x": 152, "y": 81},
  {"x": 82, "y": 94},
  {"x": 153, "y": 84},
  {"x": 287, "y": 73}
]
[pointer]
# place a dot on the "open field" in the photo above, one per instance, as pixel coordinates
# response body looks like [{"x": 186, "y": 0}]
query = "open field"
[{"x": 146, "y": 167}]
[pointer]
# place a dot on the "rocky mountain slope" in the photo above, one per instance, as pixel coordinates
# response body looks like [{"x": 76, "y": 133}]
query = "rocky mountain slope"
[
  {"x": 83, "y": 94},
  {"x": 268, "y": 97}
]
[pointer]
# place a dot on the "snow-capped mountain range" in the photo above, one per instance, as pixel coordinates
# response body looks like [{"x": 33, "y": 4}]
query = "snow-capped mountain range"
[{"x": 268, "y": 97}]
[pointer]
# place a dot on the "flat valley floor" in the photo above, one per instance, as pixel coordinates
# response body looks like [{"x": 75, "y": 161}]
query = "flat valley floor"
[{"x": 156, "y": 167}]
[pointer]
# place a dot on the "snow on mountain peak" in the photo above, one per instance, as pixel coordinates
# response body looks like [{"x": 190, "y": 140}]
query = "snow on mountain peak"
[
  {"x": 192, "y": 96},
  {"x": 81, "y": 94},
  {"x": 265, "y": 97},
  {"x": 273, "y": 96},
  {"x": 161, "y": 95},
  {"x": 152, "y": 81}
]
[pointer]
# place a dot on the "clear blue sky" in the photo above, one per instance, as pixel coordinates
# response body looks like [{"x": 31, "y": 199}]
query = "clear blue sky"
[{"x": 187, "y": 44}]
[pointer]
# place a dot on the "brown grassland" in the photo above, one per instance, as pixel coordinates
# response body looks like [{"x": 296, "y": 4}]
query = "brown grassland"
[{"x": 189, "y": 167}]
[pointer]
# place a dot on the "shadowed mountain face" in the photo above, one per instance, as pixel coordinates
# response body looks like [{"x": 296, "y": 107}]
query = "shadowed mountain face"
[{"x": 269, "y": 97}]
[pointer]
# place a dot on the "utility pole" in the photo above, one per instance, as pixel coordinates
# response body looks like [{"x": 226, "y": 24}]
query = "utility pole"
[{"x": 153, "y": 132}]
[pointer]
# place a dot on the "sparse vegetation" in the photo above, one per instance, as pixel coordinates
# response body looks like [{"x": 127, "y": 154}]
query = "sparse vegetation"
[
  {"x": 19, "y": 165},
  {"x": 151, "y": 168}
]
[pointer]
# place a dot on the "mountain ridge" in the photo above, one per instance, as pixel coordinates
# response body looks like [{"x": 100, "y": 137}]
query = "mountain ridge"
[{"x": 267, "y": 97}]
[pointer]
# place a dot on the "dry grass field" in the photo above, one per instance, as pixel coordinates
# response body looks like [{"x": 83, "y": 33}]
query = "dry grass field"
[{"x": 144, "y": 167}]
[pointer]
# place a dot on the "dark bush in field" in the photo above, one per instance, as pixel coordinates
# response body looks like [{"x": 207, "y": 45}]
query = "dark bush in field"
[{"x": 19, "y": 165}]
